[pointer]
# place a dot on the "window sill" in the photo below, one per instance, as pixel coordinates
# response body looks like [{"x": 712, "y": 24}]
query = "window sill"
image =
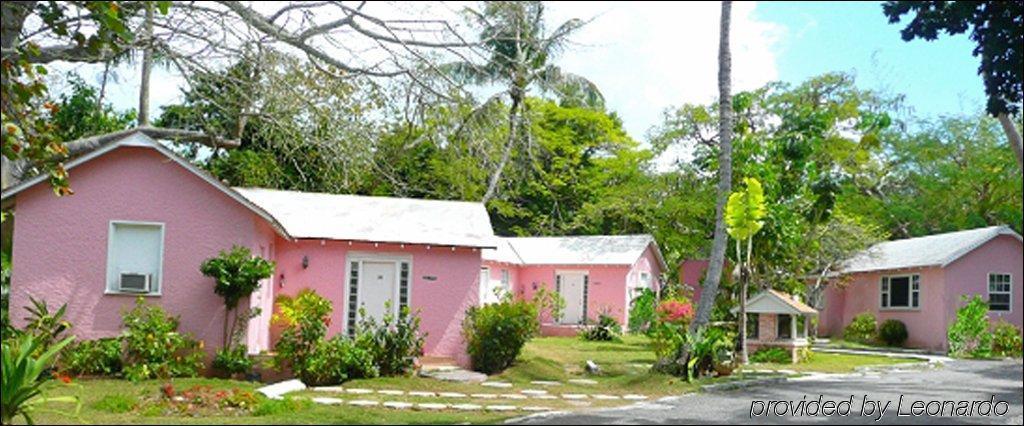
[
  {"x": 918, "y": 309},
  {"x": 128, "y": 293}
]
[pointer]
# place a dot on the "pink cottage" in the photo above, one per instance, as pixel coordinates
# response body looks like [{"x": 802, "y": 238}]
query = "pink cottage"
[
  {"x": 920, "y": 281},
  {"x": 143, "y": 219},
  {"x": 594, "y": 274}
]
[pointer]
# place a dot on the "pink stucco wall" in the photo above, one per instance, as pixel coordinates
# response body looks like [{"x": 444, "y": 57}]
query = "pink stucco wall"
[
  {"x": 441, "y": 303},
  {"x": 926, "y": 326},
  {"x": 60, "y": 244},
  {"x": 941, "y": 289},
  {"x": 969, "y": 276}
]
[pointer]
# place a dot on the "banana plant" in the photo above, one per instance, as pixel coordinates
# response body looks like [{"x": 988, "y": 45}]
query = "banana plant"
[
  {"x": 744, "y": 218},
  {"x": 21, "y": 389}
]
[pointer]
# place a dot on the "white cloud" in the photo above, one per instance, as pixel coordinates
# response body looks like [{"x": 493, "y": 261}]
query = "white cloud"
[{"x": 649, "y": 56}]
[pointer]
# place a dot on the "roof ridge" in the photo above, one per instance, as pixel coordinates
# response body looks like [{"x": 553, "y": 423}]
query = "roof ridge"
[{"x": 329, "y": 194}]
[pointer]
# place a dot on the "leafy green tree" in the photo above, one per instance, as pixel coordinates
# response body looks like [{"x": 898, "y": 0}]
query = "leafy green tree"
[
  {"x": 80, "y": 32},
  {"x": 744, "y": 217},
  {"x": 80, "y": 113},
  {"x": 520, "y": 51},
  {"x": 996, "y": 29},
  {"x": 948, "y": 174}
]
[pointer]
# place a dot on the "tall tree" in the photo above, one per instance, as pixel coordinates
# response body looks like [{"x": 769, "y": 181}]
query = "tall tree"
[
  {"x": 997, "y": 28},
  {"x": 520, "y": 51},
  {"x": 744, "y": 216},
  {"x": 725, "y": 129}
]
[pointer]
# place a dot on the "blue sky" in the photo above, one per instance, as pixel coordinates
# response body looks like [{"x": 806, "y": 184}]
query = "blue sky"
[{"x": 938, "y": 77}]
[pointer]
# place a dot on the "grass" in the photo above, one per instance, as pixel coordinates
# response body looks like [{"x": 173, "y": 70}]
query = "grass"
[
  {"x": 116, "y": 402},
  {"x": 625, "y": 369},
  {"x": 824, "y": 362}
]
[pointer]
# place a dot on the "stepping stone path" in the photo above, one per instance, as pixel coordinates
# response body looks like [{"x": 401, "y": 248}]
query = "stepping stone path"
[
  {"x": 431, "y": 407},
  {"x": 422, "y": 394},
  {"x": 359, "y": 391},
  {"x": 512, "y": 396},
  {"x": 533, "y": 392},
  {"x": 277, "y": 390},
  {"x": 574, "y": 396},
  {"x": 634, "y": 398},
  {"x": 335, "y": 389},
  {"x": 545, "y": 397},
  {"x": 328, "y": 401},
  {"x": 454, "y": 374},
  {"x": 545, "y": 383},
  {"x": 467, "y": 407},
  {"x": 485, "y": 395},
  {"x": 391, "y": 392},
  {"x": 363, "y": 403},
  {"x": 501, "y": 385},
  {"x": 587, "y": 382},
  {"x": 605, "y": 397},
  {"x": 500, "y": 408},
  {"x": 398, "y": 405},
  {"x": 451, "y": 395}
]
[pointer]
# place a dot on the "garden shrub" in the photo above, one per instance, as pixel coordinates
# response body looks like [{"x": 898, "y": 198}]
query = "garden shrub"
[
  {"x": 863, "y": 329},
  {"x": 394, "y": 343},
  {"x": 771, "y": 355},
  {"x": 200, "y": 401},
  {"x": 695, "y": 355},
  {"x": 969, "y": 335},
  {"x": 893, "y": 333},
  {"x": 336, "y": 360},
  {"x": 642, "y": 311},
  {"x": 305, "y": 319},
  {"x": 154, "y": 348},
  {"x": 669, "y": 331},
  {"x": 6, "y": 330},
  {"x": 100, "y": 357},
  {"x": 496, "y": 333},
  {"x": 233, "y": 360},
  {"x": 1007, "y": 341},
  {"x": 48, "y": 327},
  {"x": 607, "y": 329}
]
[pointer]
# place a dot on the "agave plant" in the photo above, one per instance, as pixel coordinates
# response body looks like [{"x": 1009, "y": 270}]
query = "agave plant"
[{"x": 22, "y": 385}]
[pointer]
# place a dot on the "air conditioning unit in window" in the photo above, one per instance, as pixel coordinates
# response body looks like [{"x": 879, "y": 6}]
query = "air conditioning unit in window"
[{"x": 135, "y": 283}]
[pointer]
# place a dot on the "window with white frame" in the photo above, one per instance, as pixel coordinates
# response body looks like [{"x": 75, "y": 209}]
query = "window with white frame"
[
  {"x": 135, "y": 252},
  {"x": 505, "y": 280},
  {"x": 645, "y": 280},
  {"x": 1000, "y": 290},
  {"x": 901, "y": 292}
]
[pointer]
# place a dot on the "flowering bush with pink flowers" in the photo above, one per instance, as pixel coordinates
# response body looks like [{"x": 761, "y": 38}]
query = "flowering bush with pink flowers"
[{"x": 675, "y": 311}]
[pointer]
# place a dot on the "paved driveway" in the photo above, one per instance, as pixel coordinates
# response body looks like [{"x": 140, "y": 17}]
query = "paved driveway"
[{"x": 955, "y": 381}]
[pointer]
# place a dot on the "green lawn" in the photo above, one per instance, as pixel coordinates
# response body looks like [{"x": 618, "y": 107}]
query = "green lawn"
[
  {"x": 625, "y": 369},
  {"x": 824, "y": 362}
]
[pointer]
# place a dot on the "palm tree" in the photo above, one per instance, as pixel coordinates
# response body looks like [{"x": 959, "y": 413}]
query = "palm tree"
[
  {"x": 520, "y": 49},
  {"x": 714, "y": 273}
]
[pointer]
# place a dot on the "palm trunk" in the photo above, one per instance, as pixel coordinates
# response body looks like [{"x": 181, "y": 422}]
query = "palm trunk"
[
  {"x": 714, "y": 273},
  {"x": 147, "y": 68},
  {"x": 1013, "y": 135},
  {"x": 513, "y": 117}
]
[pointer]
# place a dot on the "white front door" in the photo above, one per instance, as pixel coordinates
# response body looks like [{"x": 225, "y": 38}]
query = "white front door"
[
  {"x": 572, "y": 287},
  {"x": 377, "y": 287}
]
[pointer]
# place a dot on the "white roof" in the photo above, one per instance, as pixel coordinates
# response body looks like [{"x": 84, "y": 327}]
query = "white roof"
[
  {"x": 777, "y": 302},
  {"x": 576, "y": 250},
  {"x": 933, "y": 250},
  {"x": 307, "y": 215}
]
